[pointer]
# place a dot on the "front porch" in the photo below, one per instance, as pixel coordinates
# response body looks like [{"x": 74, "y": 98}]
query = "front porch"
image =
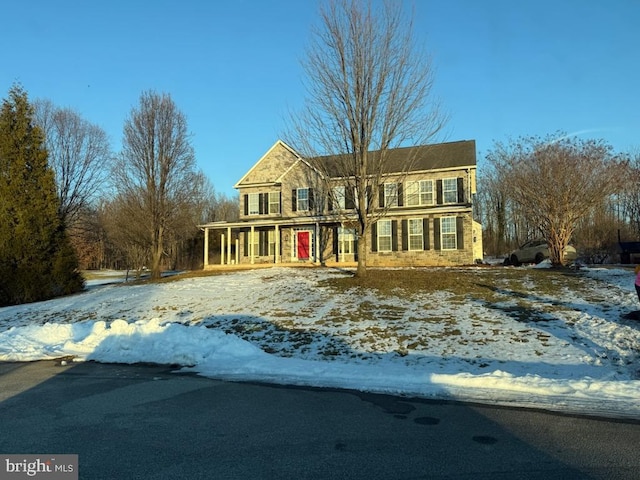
[{"x": 280, "y": 242}]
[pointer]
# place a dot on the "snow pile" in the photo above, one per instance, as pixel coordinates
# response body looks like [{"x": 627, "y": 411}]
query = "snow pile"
[{"x": 580, "y": 358}]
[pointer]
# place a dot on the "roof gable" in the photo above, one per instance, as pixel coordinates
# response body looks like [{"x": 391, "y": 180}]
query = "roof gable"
[{"x": 271, "y": 166}]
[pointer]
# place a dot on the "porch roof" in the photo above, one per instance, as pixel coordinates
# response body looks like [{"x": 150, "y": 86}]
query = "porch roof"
[{"x": 271, "y": 222}]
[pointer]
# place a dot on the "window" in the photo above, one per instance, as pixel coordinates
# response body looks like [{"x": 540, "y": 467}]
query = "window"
[
  {"x": 274, "y": 202},
  {"x": 448, "y": 233},
  {"x": 390, "y": 194},
  {"x": 339, "y": 198},
  {"x": 419, "y": 193},
  {"x": 272, "y": 242},
  {"x": 254, "y": 204},
  {"x": 384, "y": 236},
  {"x": 346, "y": 240},
  {"x": 255, "y": 241},
  {"x": 302, "y": 199},
  {"x": 450, "y": 190},
  {"x": 415, "y": 234}
]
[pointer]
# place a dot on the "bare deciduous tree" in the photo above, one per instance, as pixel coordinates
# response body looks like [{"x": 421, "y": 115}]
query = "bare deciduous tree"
[
  {"x": 79, "y": 154},
  {"x": 556, "y": 181},
  {"x": 369, "y": 88},
  {"x": 155, "y": 172}
]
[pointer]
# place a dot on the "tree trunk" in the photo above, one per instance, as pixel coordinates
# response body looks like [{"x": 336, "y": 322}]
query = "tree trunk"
[
  {"x": 361, "y": 271},
  {"x": 156, "y": 254}
]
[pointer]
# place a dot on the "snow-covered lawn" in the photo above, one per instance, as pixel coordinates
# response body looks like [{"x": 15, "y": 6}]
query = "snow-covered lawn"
[{"x": 557, "y": 347}]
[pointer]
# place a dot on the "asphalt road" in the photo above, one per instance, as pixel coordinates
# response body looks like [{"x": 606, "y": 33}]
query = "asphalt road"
[{"x": 144, "y": 422}]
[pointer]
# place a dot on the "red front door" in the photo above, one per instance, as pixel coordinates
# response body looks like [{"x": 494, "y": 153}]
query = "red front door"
[{"x": 303, "y": 245}]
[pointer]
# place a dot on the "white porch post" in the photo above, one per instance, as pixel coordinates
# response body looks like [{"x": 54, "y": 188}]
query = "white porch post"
[
  {"x": 277, "y": 234},
  {"x": 237, "y": 251},
  {"x": 340, "y": 242},
  {"x": 222, "y": 249},
  {"x": 206, "y": 247},
  {"x": 229, "y": 245},
  {"x": 251, "y": 252},
  {"x": 317, "y": 245}
]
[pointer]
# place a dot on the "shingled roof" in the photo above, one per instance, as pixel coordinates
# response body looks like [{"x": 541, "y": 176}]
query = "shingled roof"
[{"x": 426, "y": 157}]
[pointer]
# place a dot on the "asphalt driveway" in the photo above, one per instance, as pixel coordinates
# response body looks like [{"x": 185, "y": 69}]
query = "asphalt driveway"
[{"x": 145, "y": 422}]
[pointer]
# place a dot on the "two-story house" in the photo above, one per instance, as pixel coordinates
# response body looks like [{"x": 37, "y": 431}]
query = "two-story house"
[{"x": 286, "y": 214}]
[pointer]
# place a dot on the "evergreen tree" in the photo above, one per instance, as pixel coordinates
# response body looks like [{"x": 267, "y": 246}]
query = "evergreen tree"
[{"x": 36, "y": 258}]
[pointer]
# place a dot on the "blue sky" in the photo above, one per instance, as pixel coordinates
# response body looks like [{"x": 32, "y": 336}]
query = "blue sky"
[{"x": 504, "y": 68}]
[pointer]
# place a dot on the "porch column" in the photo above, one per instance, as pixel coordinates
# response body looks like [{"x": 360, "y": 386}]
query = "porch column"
[
  {"x": 206, "y": 247},
  {"x": 229, "y": 245},
  {"x": 277, "y": 259},
  {"x": 237, "y": 251},
  {"x": 251, "y": 252},
  {"x": 340, "y": 242},
  {"x": 222, "y": 249},
  {"x": 317, "y": 249}
]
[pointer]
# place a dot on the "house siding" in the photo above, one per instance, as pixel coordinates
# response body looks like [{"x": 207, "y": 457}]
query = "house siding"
[{"x": 446, "y": 191}]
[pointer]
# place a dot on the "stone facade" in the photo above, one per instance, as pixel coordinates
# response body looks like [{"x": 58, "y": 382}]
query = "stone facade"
[{"x": 286, "y": 216}]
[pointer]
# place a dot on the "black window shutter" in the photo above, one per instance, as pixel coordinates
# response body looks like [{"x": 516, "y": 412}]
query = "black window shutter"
[
  {"x": 460, "y": 232},
  {"x": 261, "y": 204},
  {"x": 246, "y": 243},
  {"x": 436, "y": 234},
  {"x": 381, "y": 196},
  {"x": 439, "y": 192},
  {"x": 311, "y": 199},
  {"x": 405, "y": 235},
  {"x": 279, "y": 202},
  {"x": 330, "y": 203},
  {"x": 350, "y": 198},
  {"x": 400, "y": 195},
  {"x": 246, "y": 204},
  {"x": 294, "y": 198},
  {"x": 461, "y": 190},
  {"x": 394, "y": 235},
  {"x": 425, "y": 233},
  {"x": 335, "y": 240},
  {"x": 374, "y": 237},
  {"x": 367, "y": 199}
]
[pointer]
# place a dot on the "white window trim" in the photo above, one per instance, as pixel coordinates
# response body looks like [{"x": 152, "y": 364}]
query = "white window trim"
[
  {"x": 339, "y": 197},
  {"x": 346, "y": 237},
  {"x": 390, "y": 194},
  {"x": 420, "y": 193},
  {"x": 444, "y": 191},
  {"x": 254, "y": 201},
  {"x": 389, "y": 236},
  {"x": 449, "y": 234},
  {"x": 274, "y": 200},
  {"x": 420, "y": 235},
  {"x": 306, "y": 199}
]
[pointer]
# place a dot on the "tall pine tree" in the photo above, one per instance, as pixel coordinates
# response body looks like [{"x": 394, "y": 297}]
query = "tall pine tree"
[{"x": 37, "y": 261}]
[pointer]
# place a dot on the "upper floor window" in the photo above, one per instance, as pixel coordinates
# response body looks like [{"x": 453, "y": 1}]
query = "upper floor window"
[
  {"x": 274, "y": 202},
  {"x": 390, "y": 194},
  {"x": 303, "y": 199},
  {"x": 254, "y": 204},
  {"x": 419, "y": 193},
  {"x": 339, "y": 198},
  {"x": 450, "y": 190}
]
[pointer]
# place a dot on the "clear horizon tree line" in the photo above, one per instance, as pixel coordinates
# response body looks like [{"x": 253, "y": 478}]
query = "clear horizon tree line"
[
  {"x": 369, "y": 87},
  {"x": 136, "y": 208},
  {"x": 565, "y": 189}
]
